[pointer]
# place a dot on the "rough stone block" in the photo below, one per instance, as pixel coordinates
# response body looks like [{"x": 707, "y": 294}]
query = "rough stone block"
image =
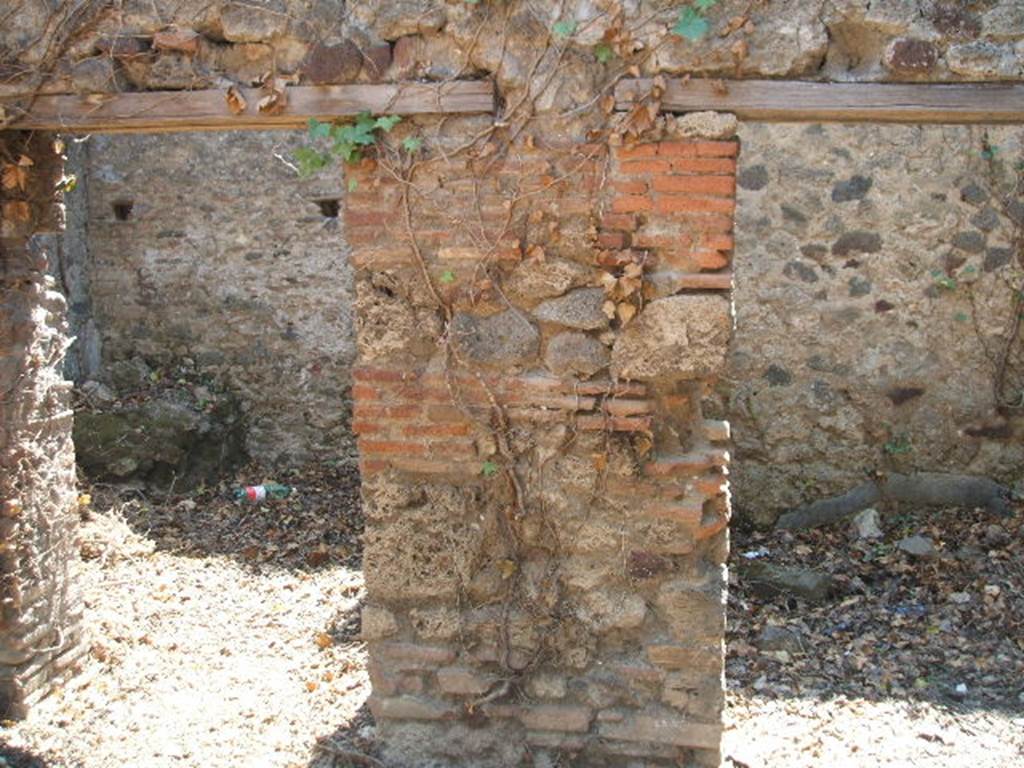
[
  {"x": 580, "y": 309},
  {"x": 507, "y": 337},
  {"x": 463, "y": 681},
  {"x": 605, "y": 611},
  {"x": 546, "y": 717},
  {"x": 377, "y": 623},
  {"x": 706, "y": 125},
  {"x": 547, "y": 685},
  {"x": 910, "y": 56},
  {"x": 693, "y": 610},
  {"x": 691, "y": 657},
  {"x": 247, "y": 23},
  {"x": 679, "y": 337},
  {"x": 435, "y": 623},
  {"x": 410, "y": 708},
  {"x": 177, "y": 39},
  {"x": 339, "y": 63},
  {"x": 576, "y": 354},
  {"x": 412, "y": 656},
  {"x": 664, "y": 729}
]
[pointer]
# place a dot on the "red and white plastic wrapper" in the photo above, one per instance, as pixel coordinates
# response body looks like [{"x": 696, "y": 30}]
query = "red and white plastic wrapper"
[{"x": 256, "y": 492}]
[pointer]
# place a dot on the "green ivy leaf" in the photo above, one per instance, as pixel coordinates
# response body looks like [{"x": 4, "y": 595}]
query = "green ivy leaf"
[
  {"x": 412, "y": 143},
  {"x": 691, "y": 25},
  {"x": 319, "y": 130},
  {"x": 705, "y": 5},
  {"x": 353, "y": 184},
  {"x": 361, "y": 132},
  {"x": 564, "y": 29},
  {"x": 489, "y": 468},
  {"x": 603, "y": 53},
  {"x": 387, "y": 122},
  {"x": 960, "y": 317},
  {"x": 447, "y": 276},
  {"x": 309, "y": 160}
]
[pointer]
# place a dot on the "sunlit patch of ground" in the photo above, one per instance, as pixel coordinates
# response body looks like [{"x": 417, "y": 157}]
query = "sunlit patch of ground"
[
  {"x": 218, "y": 659},
  {"x": 763, "y": 732},
  {"x": 226, "y": 636}
]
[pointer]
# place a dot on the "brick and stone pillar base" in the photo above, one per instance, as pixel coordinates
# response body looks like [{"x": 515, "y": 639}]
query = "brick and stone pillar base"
[
  {"x": 39, "y": 613},
  {"x": 546, "y": 505}
]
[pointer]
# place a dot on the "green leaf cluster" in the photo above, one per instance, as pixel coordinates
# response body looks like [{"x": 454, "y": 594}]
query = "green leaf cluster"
[
  {"x": 942, "y": 280},
  {"x": 565, "y": 28},
  {"x": 604, "y": 52},
  {"x": 691, "y": 23},
  {"x": 898, "y": 445},
  {"x": 347, "y": 140}
]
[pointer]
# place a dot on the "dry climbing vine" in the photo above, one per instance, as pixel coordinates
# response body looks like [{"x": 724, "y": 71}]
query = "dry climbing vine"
[
  {"x": 402, "y": 162},
  {"x": 1005, "y": 185}
]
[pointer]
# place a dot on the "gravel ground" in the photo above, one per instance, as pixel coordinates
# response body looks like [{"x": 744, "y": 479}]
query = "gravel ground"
[
  {"x": 213, "y": 641},
  {"x": 764, "y": 732},
  {"x": 907, "y": 661},
  {"x": 227, "y": 637}
]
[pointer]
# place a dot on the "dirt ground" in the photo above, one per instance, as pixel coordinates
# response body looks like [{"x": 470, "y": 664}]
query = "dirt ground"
[{"x": 223, "y": 635}]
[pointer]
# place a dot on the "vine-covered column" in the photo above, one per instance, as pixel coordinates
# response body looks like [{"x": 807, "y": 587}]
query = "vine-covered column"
[
  {"x": 538, "y": 318},
  {"x": 39, "y": 611}
]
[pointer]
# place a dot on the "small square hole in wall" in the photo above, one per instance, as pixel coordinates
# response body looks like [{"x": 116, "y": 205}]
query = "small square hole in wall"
[
  {"x": 329, "y": 207},
  {"x": 123, "y": 209}
]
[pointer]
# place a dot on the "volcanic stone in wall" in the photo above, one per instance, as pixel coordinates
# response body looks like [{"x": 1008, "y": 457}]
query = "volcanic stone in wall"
[
  {"x": 901, "y": 240},
  {"x": 156, "y": 435}
]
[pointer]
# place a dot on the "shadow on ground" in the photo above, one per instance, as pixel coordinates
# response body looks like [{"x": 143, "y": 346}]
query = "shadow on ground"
[
  {"x": 318, "y": 525},
  {"x": 945, "y": 627},
  {"x": 351, "y": 744},
  {"x": 13, "y": 757}
]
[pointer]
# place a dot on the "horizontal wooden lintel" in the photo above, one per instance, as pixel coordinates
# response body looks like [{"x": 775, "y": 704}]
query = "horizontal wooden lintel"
[
  {"x": 160, "y": 111},
  {"x": 799, "y": 101}
]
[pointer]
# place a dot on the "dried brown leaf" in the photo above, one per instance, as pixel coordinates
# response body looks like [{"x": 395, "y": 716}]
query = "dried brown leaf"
[
  {"x": 236, "y": 101},
  {"x": 625, "y": 312},
  {"x": 324, "y": 640},
  {"x": 629, "y": 285},
  {"x": 17, "y": 210},
  {"x": 608, "y": 281},
  {"x": 535, "y": 253},
  {"x": 274, "y": 102},
  {"x": 508, "y": 568},
  {"x": 14, "y": 177}
]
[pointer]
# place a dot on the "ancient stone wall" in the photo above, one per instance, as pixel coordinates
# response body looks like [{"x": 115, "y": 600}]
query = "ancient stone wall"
[
  {"x": 136, "y": 45},
  {"x": 540, "y": 479},
  {"x": 206, "y": 251},
  {"x": 39, "y": 609},
  {"x": 876, "y": 274},
  {"x": 546, "y": 504}
]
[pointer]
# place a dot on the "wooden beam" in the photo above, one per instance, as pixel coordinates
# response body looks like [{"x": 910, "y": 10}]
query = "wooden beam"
[
  {"x": 798, "y": 101},
  {"x": 161, "y": 111}
]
